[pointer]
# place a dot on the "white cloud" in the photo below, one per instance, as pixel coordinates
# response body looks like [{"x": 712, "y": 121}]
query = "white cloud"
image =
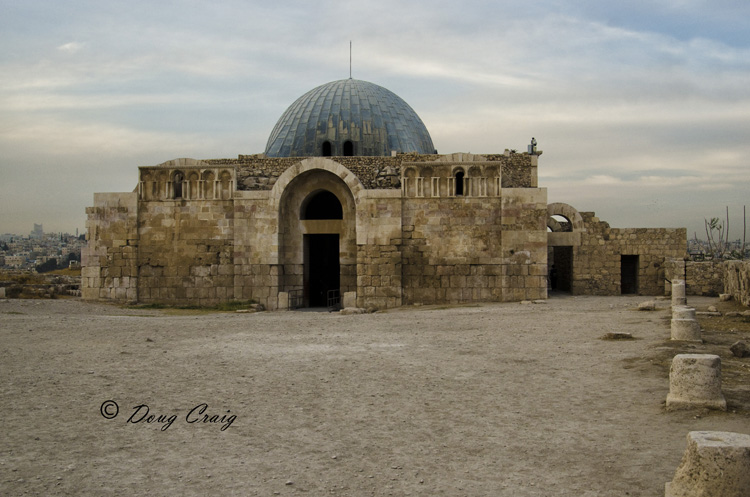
[{"x": 71, "y": 47}]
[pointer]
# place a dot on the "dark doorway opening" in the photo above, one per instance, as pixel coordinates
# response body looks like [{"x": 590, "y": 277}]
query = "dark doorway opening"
[
  {"x": 561, "y": 268},
  {"x": 628, "y": 274},
  {"x": 326, "y": 150},
  {"x": 322, "y": 268},
  {"x": 348, "y": 148},
  {"x": 459, "y": 183}
]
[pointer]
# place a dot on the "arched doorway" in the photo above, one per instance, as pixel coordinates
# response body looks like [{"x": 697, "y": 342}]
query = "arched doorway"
[
  {"x": 317, "y": 247},
  {"x": 322, "y": 268}
]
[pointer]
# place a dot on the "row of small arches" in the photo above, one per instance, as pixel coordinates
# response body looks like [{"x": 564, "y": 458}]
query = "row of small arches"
[{"x": 208, "y": 184}]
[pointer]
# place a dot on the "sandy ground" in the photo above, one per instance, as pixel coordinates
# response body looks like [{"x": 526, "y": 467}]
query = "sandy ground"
[{"x": 499, "y": 399}]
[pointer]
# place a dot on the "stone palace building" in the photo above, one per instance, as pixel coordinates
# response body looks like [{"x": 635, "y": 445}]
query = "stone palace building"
[{"x": 351, "y": 198}]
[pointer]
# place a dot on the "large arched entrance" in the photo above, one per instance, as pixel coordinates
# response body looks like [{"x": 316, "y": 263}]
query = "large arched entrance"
[{"x": 317, "y": 235}]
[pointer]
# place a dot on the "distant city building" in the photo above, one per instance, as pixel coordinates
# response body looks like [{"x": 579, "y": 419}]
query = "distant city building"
[{"x": 37, "y": 232}]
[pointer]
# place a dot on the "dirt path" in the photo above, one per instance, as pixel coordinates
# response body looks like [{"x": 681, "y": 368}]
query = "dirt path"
[{"x": 506, "y": 399}]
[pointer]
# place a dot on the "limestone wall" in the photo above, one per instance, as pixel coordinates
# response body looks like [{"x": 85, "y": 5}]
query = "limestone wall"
[
  {"x": 257, "y": 172},
  {"x": 701, "y": 278},
  {"x": 737, "y": 280},
  {"x": 598, "y": 260},
  {"x": 185, "y": 251},
  {"x": 474, "y": 249},
  {"x": 109, "y": 261}
]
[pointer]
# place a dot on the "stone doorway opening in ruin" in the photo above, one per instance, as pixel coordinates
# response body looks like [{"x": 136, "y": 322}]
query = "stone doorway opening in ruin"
[
  {"x": 628, "y": 274},
  {"x": 322, "y": 270},
  {"x": 560, "y": 263}
]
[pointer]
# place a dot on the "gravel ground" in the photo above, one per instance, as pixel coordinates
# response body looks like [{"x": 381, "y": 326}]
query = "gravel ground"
[{"x": 498, "y": 399}]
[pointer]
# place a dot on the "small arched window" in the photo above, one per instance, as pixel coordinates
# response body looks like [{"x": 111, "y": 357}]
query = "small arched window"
[
  {"x": 177, "y": 184},
  {"x": 326, "y": 149},
  {"x": 348, "y": 148},
  {"x": 459, "y": 183}
]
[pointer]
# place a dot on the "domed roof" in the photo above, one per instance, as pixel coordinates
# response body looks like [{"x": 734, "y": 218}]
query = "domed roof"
[{"x": 348, "y": 117}]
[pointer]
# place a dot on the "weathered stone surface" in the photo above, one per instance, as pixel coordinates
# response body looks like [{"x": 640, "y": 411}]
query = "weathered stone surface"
[
  {"x": 695, "y": 381},
  {"x": 725, "y": 297},
  {"x": 737, "y": 280},
  {"x": 349, "y": 300},
  {"x": 685, "y": 329},
  {"x": 649, "y": 305},
  {"x": 678, "y": 293},
  {"x": 740, "y": 349},
  {"x": 617, "y": 336},
  {"x": 715, "y": 464},
  {"x": 352, "y": 310},
  {"x": 683, "y": 312}
]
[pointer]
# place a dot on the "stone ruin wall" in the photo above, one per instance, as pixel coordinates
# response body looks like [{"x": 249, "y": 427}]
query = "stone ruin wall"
[
  {"x": 258, "y": 172},
  {"x": 701, "y": 278},
  {"x": 737, "y": 280},
  {"x": 711, "y": 278},
  {"x": 109, "y": 262},
  {"x": 597, "y": 267}
]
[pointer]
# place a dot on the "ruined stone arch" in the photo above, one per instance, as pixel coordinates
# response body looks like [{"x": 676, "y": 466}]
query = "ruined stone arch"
[{"x": 566, "y": 211}]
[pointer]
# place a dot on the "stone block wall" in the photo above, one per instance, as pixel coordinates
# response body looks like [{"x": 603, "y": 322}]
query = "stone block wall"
[
  {"x": 257, "y": 172},
  {"x": 597, "y": 261},
  {"x": 737, "y": 280},
  {"x": 109, "y": 261},
  {"x": 701, "y": 278},
  {"x": 472, "y": 249},
  {"x": 185, "y": 252},
  {"x": 524, "y": 243}
]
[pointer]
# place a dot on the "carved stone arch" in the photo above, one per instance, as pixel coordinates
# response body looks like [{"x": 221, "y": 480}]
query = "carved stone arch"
[
  {"x": 311, "y": 164},
  {"x": 317, "y": 251},
  {"x": 192, "y": 184},
  {"x": 178, "y": 182},
  {"x": 568, "y": 212}
]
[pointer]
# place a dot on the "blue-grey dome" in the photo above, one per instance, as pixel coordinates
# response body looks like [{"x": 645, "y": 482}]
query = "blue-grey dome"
[{"x": 348, "y": 117}]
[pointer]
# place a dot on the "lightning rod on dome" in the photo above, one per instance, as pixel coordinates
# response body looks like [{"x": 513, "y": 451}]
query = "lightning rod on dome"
[{"x": 350, "y": 59}]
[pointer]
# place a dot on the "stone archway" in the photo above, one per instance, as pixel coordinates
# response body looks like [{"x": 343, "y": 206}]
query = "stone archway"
[
  {"x": 317, "y": 231},
  {"x": 564, "y": 227}
]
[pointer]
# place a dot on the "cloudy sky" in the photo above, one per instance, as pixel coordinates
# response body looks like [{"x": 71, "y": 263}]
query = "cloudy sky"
[{"x": 642, "y": 108}]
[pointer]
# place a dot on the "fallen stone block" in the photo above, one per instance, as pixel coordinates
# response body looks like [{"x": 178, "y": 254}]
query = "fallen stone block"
[
  {"x": 740, "y": 349},
  {"x": 715, "y": 464},
  {"x": 725, "y": 297},
  {"x": 352, "y": 310},
  {"x": 708, "y": 314},
  {"x": 649, "y": 305},
  {"x": 695, "y": 381},
  {"x": 617, "y": 336}
]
